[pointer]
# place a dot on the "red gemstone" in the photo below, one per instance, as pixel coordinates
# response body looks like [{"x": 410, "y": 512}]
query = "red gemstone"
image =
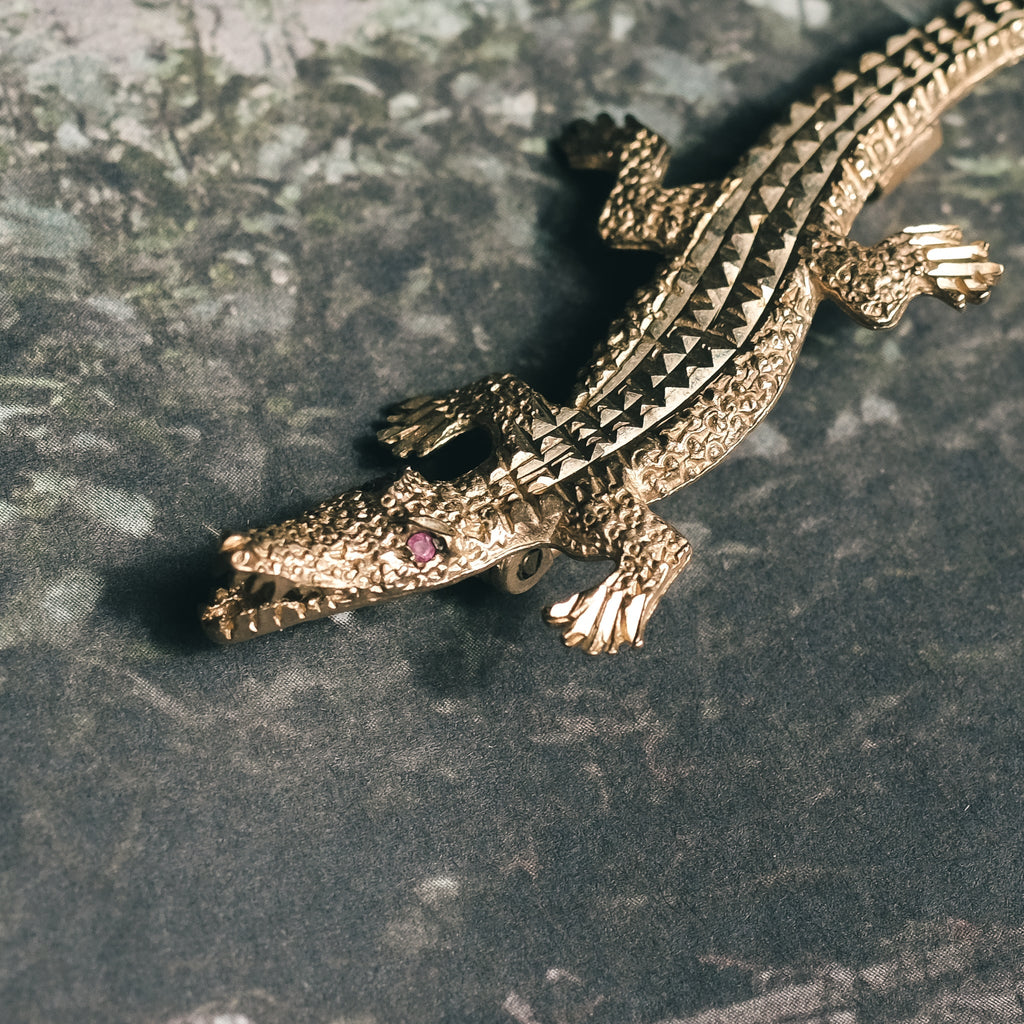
[{"x": 422, "y": 546}]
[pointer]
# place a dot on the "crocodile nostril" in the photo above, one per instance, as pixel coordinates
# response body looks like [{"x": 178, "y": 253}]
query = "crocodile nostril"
[
  {"x": 242, "y": 560},
  {"x": 233, "y": 542}
]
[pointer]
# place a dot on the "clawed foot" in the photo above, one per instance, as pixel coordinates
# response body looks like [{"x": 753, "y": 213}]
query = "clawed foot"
[
  {"x": 875, "y": 284},
  {"x": 421, "y": 425},
  {"x": 601, "y": 619},
  {"x": 597, "y": 145},
  {"x": 959, "y": 273}
]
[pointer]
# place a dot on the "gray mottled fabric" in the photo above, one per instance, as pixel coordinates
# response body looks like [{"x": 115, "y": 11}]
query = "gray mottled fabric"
[{"x": 230, "y": 235}]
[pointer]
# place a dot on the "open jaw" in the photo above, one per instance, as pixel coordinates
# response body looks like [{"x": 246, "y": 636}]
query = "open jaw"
[
  {"x": 255, "y": 603},
  {"x": 364, "y": 548},
  {"x": 261, "y": 594}
]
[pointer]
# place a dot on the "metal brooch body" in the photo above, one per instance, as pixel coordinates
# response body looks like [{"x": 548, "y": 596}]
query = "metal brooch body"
[{"x": 696, "y": 361}]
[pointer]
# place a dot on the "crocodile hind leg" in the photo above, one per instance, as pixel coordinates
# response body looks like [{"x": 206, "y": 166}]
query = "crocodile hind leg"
[
  {"x": 421, "y": 425},
  {"x": 639, "y": 213},
  {"x": 649, "y": 554},
  {"x": 875, "y": 284}
]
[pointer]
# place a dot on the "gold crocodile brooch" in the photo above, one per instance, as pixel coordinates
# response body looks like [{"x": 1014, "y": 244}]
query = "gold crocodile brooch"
[{"x": 699, "y": 357}]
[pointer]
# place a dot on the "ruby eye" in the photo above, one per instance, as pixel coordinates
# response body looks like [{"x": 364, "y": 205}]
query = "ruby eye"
[{"x": 425, "y": 547}]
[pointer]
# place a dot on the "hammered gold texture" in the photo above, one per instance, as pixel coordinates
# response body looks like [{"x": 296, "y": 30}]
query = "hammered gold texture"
[
  {"x": 695, "y": 362},
  {"x": 722, "y": 416}
]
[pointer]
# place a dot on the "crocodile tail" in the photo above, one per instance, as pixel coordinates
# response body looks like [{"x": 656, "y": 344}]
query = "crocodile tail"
[
  {"x": 933, "y": 69},
  {"x": 911, "y": 82},
  {"x": 983, "y": 36}
]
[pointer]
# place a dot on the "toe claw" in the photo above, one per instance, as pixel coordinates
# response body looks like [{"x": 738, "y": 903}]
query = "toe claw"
[{"x": 600, "y": 620}]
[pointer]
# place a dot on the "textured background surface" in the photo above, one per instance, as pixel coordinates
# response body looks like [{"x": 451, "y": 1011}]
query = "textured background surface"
[{"x": 229, "y": 235}]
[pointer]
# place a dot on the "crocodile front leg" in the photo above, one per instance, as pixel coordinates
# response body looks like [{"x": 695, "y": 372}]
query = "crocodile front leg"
[
  {"x": 497, "y": 403},
  {"x": 875, "y": 284},
  {"x": 649, "y": 554}
]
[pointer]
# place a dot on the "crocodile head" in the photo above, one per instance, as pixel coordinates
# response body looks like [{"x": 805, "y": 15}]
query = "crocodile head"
[{"x": 362, "y": 548}]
